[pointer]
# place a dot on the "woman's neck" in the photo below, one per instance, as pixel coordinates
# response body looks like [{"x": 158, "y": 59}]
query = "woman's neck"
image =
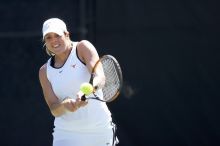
[{"x": 60, "y": 59}]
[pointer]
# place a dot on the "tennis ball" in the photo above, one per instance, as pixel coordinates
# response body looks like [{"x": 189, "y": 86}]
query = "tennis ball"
[{"x": 86, "y": 88}]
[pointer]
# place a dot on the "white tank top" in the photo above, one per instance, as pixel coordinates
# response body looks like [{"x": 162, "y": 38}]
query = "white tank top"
[{"x": 66, "y": 82}]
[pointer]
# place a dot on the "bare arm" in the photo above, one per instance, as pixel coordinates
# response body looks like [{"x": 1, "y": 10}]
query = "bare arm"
[
  {"x": 89, "y": 55},
  {"x": 56, "y": 106}
]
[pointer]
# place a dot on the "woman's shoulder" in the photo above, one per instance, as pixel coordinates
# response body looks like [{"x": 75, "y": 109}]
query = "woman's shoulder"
[
  {"x": 84, "y": 43},
  {"x": 43, "y": 68}
]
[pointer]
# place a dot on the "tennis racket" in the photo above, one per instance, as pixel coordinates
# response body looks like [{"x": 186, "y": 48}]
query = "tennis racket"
[{"x": 113, "y": 79}]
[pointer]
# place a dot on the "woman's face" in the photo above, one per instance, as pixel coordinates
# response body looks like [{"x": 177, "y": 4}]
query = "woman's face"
[{"x": 55, "y": 43}]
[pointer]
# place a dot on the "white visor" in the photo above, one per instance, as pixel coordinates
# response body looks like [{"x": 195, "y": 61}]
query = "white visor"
[{"x": 54, "y": 25}]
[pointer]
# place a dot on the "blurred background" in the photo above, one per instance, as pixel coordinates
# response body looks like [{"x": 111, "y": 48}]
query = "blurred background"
[{"x": 168, "y": 51}]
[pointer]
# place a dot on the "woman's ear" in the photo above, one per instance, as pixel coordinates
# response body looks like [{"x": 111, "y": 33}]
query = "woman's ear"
[{"x": 66, "y": 34}]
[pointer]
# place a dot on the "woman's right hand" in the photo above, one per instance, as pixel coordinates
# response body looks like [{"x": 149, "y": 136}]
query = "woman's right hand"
[{"x": 72, "y": 105}]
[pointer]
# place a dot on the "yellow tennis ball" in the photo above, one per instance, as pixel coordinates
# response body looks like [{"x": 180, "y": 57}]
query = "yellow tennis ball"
[{"x": 86, "y": 88}]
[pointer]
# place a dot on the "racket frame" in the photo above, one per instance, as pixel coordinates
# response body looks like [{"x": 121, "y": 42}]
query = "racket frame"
[{"x": 119, "y": 73}]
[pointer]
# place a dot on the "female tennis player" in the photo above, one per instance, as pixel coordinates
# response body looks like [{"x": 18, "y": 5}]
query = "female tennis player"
[{"x": 77, "y": 122}]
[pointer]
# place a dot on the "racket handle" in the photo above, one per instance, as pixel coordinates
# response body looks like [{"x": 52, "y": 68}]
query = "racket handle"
[{"x": 83, "y": 98}]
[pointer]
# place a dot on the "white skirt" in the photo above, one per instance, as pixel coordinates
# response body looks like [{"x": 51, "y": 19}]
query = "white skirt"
[{"x": 76, "y": 138}]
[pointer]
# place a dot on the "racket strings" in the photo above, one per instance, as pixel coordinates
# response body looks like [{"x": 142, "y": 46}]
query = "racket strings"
[{"x": 112, "y": 82}]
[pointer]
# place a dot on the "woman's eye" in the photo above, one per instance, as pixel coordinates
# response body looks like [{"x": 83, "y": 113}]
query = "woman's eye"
[
  {"x": 48, "y": 38},
  {"x": 58, "y": 36}
]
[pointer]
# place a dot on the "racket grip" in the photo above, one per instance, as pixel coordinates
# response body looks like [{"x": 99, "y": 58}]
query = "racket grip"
[{"x": 83, "y": 98}]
